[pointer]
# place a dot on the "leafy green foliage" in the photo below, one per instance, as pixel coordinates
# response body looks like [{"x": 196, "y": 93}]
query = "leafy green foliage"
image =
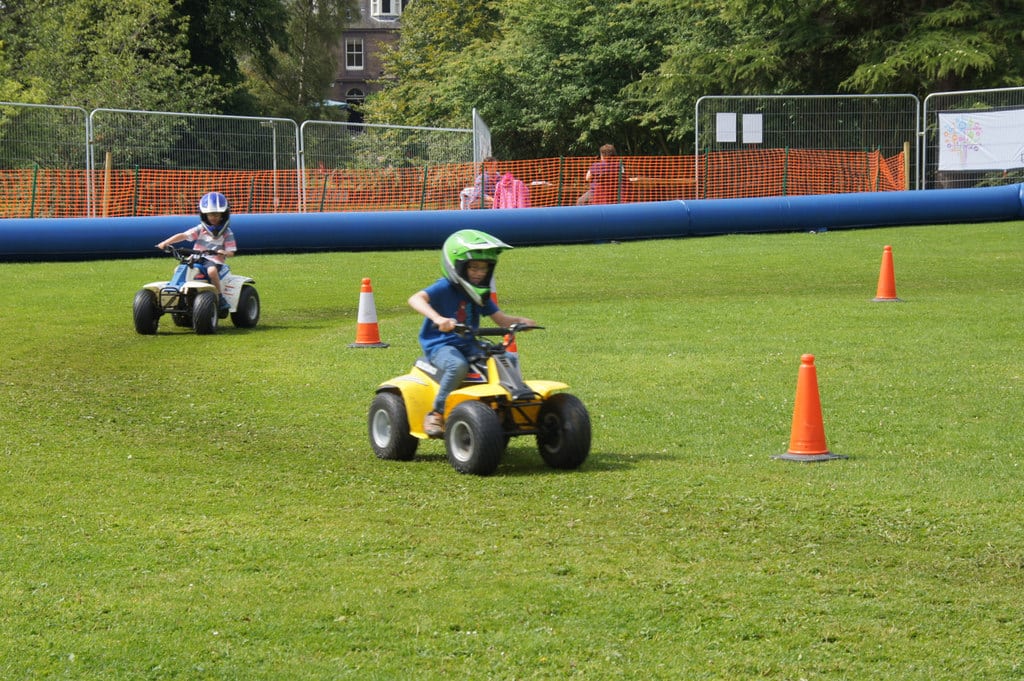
[
  {"x": 962, "y": 45},
  {"x": 562, "y": 78},
  {"x": 114, "y": 54},
  {"x": 546, "y": 76},
  {"x": 551, "y": 78},
  {"x": 224, "y": 56},
  {"x": 13, "y": 90},
  {"x": 435, "y": 34},
  {"x": 224, "y": 33},
  {"x": 292, "y": 83}
]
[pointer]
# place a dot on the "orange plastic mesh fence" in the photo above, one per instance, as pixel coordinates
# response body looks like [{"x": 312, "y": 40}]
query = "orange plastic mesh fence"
[
  {"x": 791, "y": 172},
  {"x": 549, "y": 181}
]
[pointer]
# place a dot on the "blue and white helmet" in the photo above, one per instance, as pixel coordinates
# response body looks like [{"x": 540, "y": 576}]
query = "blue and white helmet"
[{"x": 215, "y": 202}]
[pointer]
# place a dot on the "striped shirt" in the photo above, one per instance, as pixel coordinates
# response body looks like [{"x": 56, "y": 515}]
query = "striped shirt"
[{"x": 205, "y": 241}]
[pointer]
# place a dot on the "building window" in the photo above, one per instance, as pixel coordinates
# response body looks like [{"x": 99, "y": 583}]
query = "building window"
[
  {"x": 387, "y": 9},
  {"x": 354, "y": 54}
]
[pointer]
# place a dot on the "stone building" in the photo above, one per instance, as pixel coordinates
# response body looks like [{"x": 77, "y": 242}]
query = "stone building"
[{"x": 359, "y": 64}]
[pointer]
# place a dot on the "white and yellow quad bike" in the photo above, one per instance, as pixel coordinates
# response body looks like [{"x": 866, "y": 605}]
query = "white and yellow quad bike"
[
  {"x": 492, "y": 405},
  {"x": 191, "y": 299}
]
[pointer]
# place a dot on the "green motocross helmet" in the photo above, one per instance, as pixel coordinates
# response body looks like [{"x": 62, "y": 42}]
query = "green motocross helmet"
[{"x": 463, "y": 246}]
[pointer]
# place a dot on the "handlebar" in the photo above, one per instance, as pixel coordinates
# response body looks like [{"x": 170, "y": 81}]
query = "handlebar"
[
  {"x": 184, "y": 253},
  {"x": 464, "y": 330},
  {"x": 488, "y": 347}
]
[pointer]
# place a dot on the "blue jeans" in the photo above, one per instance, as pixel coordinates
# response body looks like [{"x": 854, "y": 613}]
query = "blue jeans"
[
  {"x": 206, "y": 263},
  {"x": 453, "y": 367}
]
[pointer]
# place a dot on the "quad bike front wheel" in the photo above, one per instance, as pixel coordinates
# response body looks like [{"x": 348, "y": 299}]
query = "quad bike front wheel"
[
  {"x": 474, "y": 439},
  {"x": 388, "y": 424},
  {"x": 204, "y": 313},
  {"x": 564, "y": 435},
  {"x": 146, "y": 312},
  {"x": 247, "y": 312}
]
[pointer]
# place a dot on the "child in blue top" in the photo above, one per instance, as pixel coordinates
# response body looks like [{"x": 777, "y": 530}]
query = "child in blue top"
[{"x": 462, "y": 296}]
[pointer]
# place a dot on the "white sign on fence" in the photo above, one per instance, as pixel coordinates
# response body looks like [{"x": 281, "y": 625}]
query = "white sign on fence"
[
  {"x": 981, "y": 140},
  {"x": 725, "y": 127}
]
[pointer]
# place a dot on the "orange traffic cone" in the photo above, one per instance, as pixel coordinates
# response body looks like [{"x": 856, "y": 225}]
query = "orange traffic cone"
[
  {"x": 511, "y": 347},
  {"x": 367, "y": 333},
  {"x": 886, "y": 280},
  {"x": 807, "y": 440}
]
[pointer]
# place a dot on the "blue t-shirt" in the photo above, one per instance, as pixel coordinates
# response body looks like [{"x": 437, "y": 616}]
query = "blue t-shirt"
[{"x": 451, "y": 301}]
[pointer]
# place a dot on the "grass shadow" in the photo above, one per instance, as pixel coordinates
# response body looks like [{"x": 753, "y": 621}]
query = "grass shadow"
[{"x": 524, "y": 460}]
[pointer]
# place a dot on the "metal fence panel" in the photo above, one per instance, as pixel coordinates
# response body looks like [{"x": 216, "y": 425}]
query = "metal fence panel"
[
  {"x": 885, "y": 124},
  {"x": 181, "y": 141},
  {"x": 964, "y": 102},
  {"x": 35, "y": 139},
  {"x": 345, "y": 164},
  {"x": 127, "y": 140}
]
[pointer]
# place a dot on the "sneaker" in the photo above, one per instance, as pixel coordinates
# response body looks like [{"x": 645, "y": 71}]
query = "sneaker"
[
  {"x": 224, "y": 304},
  {"x": 432, "y": 424}
]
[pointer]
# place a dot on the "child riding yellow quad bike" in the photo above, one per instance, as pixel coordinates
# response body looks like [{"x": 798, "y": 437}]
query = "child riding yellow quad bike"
[{"x": 470, "y": 383}]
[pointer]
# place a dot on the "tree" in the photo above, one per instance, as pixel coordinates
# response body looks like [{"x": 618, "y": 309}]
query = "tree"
[
  {"x": 958, "y": 45},
  {"x": 560, "y": 78},
  {"x": 12, "y": 89},
  {"x": 420, "y": 86},
  {"x": 548, "y": 77},
  {"x": 111, "y": 53},
  {"x": 174, "y": 55},
  {"x": 291, "y": 83},
  {"x": 835, "y": 47},
  {"x": 224, "y": 33},
  {"x": 560, "y": 71}
]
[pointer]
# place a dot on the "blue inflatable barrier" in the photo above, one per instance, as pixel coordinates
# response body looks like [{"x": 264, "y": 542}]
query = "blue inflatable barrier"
[{"x": 92, "y": 238}]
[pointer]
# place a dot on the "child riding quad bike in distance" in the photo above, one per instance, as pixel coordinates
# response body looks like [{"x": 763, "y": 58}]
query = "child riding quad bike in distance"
[
  {"x": 203, "y": 289},
  {"x": 470, "y": 390}
]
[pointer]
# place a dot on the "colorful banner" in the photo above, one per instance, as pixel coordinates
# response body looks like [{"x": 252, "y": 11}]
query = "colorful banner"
[{"x": 981, "y": 140}]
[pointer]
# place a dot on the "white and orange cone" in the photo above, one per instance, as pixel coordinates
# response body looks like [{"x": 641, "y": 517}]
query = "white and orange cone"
[{"x": 367, "y": 332}]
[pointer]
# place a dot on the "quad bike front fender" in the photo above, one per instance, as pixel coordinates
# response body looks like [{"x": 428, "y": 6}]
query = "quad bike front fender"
[
  {"x": 483, "y": 391},
  {"x": 156, "y": 286},
  {"x": 545, "y": 388},
  {"x": 522, "y": 412},
  {"x": 197, "y": 286}
]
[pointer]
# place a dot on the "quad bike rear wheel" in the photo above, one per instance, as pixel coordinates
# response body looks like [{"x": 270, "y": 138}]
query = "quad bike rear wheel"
[
  {"x": 564, "y": 437},
  {"x": 474, "y": 439},
  {"x": 388, "y": 424},
  {"x": 247, "y": 312}
]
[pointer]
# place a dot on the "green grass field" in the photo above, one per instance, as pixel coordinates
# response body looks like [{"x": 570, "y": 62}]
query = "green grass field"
[{"x": 189, "y": 507}]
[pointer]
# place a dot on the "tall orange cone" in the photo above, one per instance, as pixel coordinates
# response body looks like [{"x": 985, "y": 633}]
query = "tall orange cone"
[
  {"x": 511, "y": 347},
  {"x": 807, "y": 439},
  {"x": 367, "y": 333},
  {"x": 886, "y": 292}
]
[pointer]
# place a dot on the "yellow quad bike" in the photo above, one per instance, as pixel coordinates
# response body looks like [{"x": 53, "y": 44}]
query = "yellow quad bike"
[{"x": 491, "y": 406}]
